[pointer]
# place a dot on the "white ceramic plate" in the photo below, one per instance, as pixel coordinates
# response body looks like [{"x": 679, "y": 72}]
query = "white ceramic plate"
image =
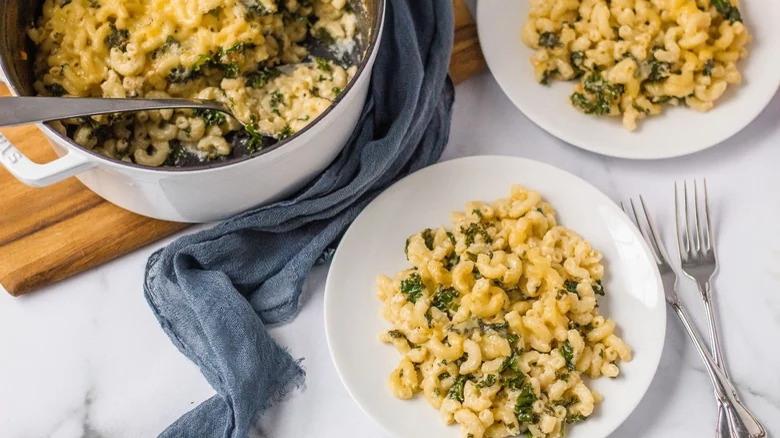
[
  {"x": 678, "y": 131},
  {"x": 374, "y": 244}
]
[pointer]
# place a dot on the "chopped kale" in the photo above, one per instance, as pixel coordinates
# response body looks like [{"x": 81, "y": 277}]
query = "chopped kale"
[
  {"x": 210, "y": 116},
  {"x": 547, "y": 75},
  {"x": 487, "y": 382},
  {"x": 597, "y": 85},
  {"x": 117, "y": 38},
  {"x": 427, "y": 235},
  {"x": 395, "y": 334},
  {"x": 575, "y": 417},
  {"x": 255, "y": 142},
  {"x": 178, "y": 150},
  {"x": 510, "y": 363},
  {"x": 461, "y": 359},
  {"x": 179, "y": 75},
  {"x": 598, "y": 289},
  {"x": 451, "y": 261},
  {"x": 566, "y": 402},
  {"x": 259, "y": 79},
  {"x": 708, "y": 66},
  {"x": 570, "y": 286},
  {"x": 323, "y": 35},
  {"x": 229, "y": 69},
  {"x": 473, "y": 230},
  {"x": 548, "y": 40},
  {"x": 256, "y": 9},
  {"x": 323, "y": 65},
  {"x": 660, "y": 100},
  {"x": 443, "y": 376},
  {"x": 238, "y": 47},
  {"x": 101, "y": 133},
  {"x": 729, "y": 11},
  {"x": 659, "y": 71},
  {"x": 451, "y": 237},
  {"x": 578, "y": 62},
  {"x": 203, "y": 60},
  {"x": 412, "y": 287},
  {"x": 524, "y": 405},
  {"x": 169, "y": 42},
  {"x": 456, "y": 391},
  {"x": 514, "y": 381},
  {"x": 276, "y": 99},
  {"x": 567, "y": 351},
  {"x": 640, "y": 108},
  {"x": 500, "y": 327},
  {"x": 55, "y": 89},
  {"x": 285, "y": 132},
  {"x": 604, "y": 95},
  {"x": 443, "y": 299},
  {"x": 337, "y": 91}
]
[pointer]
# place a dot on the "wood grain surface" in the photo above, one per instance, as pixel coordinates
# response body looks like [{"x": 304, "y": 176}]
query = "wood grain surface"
[{"x": 48, "y": 234}]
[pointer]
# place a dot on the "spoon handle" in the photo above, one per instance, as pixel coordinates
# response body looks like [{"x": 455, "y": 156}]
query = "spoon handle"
[{"x": 25, "y": 110}]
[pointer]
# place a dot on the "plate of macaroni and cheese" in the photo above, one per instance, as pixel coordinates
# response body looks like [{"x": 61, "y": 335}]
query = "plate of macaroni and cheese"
[
  {"x": 494, "y": 297},
  {"x": 637, "y": 79}
]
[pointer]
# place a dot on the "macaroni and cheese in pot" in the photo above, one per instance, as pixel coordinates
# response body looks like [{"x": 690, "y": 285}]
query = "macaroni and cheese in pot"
[{"x": 248, "y": 54}]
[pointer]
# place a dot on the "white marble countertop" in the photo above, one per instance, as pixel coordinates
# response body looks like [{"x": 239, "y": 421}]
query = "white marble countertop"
[{"x": 86, "y": 358}]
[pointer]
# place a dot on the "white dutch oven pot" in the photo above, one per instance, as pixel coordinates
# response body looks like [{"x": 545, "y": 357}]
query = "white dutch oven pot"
[{"x": 201, "y": 194}]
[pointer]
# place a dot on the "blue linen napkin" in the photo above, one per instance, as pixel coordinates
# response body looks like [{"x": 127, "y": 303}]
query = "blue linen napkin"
[{"x": 215, "y": 292}]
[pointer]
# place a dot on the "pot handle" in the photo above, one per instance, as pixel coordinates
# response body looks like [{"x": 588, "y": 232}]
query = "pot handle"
[{"x": 39, "y": 175}]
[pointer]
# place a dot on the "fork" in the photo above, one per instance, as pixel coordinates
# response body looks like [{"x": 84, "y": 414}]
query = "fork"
[
  {"x": 696, "y": 246},
  {"x": 724, "y": 389}
]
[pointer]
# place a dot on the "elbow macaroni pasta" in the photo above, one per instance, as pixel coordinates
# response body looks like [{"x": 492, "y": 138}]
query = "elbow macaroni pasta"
[
  {"x": 630, "y": 57},
  {"x": 224, "y": 50},
  {"x": 497, "y": 321}
]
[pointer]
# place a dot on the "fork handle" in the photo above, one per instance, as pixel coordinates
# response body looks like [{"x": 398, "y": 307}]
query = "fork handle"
[
  {"x": 727, "y": 417},
  {"x": 724, "y": 390}
]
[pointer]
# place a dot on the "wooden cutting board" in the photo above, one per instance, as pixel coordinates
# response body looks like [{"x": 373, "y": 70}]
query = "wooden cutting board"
[{"x": 48, "y": 234}]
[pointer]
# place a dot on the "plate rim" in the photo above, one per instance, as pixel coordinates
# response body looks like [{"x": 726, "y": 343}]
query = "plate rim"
[
  {"x": 523, "y": 161},
  {"x": 630, "y": 154}
]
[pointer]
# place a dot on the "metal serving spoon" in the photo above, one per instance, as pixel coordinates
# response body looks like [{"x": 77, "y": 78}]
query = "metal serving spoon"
[{"x": 26, "y": 110}]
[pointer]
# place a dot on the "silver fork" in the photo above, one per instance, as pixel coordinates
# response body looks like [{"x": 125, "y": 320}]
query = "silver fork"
[
  {"x": 696, "y": 246},
  {"x": 724, "y": 390}
]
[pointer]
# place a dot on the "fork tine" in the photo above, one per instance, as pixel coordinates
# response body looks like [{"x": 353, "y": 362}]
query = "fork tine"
[
  {"x": 658, "y": 242},
  {"x": 643, "y": 231},
  {"x": 710, "y": 242},
  {"x": 691, "y": 235},
  {"x": 682, "y": 242},
  {"x": 699, "y": 228}
]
